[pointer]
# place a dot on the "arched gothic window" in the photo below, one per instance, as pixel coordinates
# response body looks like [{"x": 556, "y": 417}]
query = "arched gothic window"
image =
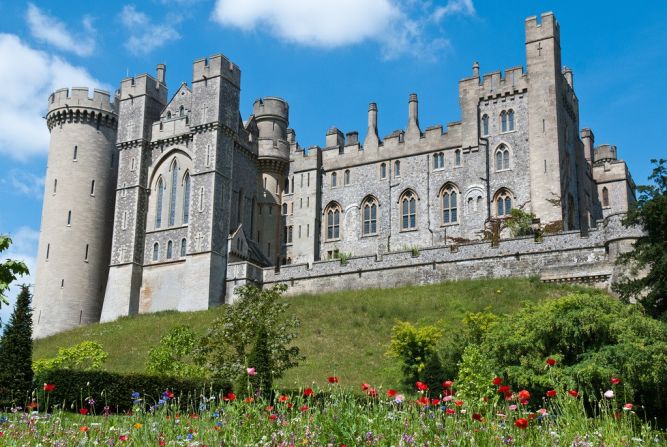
[
  {"x": 334, "y": 180},
  {"x": 183, "y": 246},
  {"x": 503, "y": 121},
  {"x": 186, "y": 198},
  {"x": 369, "y": 213},
  {"x": 170, "y": 249},
  {"x": 181, "y": 111},
  {"x": 485, "y": 125},
  {"x": 605, "y": 197},
  {"x": 346, "y": 177},
  {"x": 449, "y": 197},
  {"x": 397, "y": 168},
  {"x": 408, "y": 203},
  {"x": 457, "y": 157},
  {"x": 332, "y": 214},
  {"x": 156, "y": 251},
  {"x": 503, "y": 203},
  {"x": 284, "y": 209},
  {"x": 438, "y": 160},
  {"x": 158, "y": 207},
  {"x": 502, "y": 158},
  {"x": 172, "y": 193},
  {"x": 383, "y": 170},
  {"x": 510, "y": 120}
]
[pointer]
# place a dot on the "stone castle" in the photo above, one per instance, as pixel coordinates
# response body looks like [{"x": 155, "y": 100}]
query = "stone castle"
[{"x": 156, "y": 203}]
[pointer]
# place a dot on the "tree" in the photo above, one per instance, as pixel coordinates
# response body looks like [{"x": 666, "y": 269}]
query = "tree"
[
  {"x": 173, "y": 355},
  {"x": 9, "y": 270},
  {"x": 260, "y": 360},
  {"x": 415, "y": 347},
  {"x": 225, "y": 349},
  {"x": 85, "y": 356},
  {"x": 16, "y": 350},
  {"x": 650, "y": 250},
  {"x": 592, "y": 337}
]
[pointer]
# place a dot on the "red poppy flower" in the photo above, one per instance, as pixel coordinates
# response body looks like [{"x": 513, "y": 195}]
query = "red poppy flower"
[
  {"x": 551, "y": 393},
  {"x": 477, "y": 417},
  {"x": 269, "y": 408},
  {"x": 123, "y": 438},
  {"x": 365, "y": 387},
  {"x": 551, "y": 362},
  {"x": 524, "y": 402},
  {"x": 524, "y": 395},
  {"x": 83, "y": 411},
  {"x": 230, "y": 396},
  {"x": 497, "y": 381},
  {"x": 48, "y": 387},
  {"x": 332, "y": 379},
  {"x": 83, "y": 428},
  {"x": 573, "y": 393},
  {"x": 290, "y": 405},
  {"x": 308, "y": 392},
  {"x": 628, "y": 406},
  {"x": 447, "y": 384},
  {"x": 304, "y": 408},
  {"x": 169, "y": 394},
  {"x": 423, "y": 400},
  {"x": 421, "y": 386},
  {"x": 504, "y": 389},
  {"x": 450, "y": 411},
  {"x": 249, "y": 400},
  {"x": 391, "y": 393},
  {"x": 283, "y": 398},
  {"x": 435, "y": 402},
  {"x": 615, "y": 380},
  {"x": 372, "y": 392},
  {"x": 521, "y": 423},
  {"x": 273, "y": 417},
  {"x": 458, "y": 403}
]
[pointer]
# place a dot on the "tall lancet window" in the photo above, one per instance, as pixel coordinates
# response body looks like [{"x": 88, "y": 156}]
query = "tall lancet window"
[
  {"x": 158, "y": 207},
  {"x": 172, "y": 193},
  {"x": 186, "y": 198}
]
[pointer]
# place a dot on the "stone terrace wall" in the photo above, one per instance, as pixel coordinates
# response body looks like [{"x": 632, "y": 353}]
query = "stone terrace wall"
[{"x": 563, "y": 257}]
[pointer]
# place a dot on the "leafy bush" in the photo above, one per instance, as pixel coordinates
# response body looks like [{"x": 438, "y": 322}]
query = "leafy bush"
[
  {"x": 260, "y": 362},
  {"x": 224, "y": 350},
  {"x": 86, "y": 356},
  {"x": 415, "y": 347},
  {"x": 593, "y": 337},
  {"x": 74, "y": 389},
  {"x": 520, "y": 222},
  {"x": 475, "y": 377},
  {"x": 16, "y": 352},
  {"x": 174, "y": 355}
]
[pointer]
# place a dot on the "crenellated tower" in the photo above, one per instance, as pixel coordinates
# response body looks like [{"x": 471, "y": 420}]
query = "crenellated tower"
[
  {"x": 75, "y": 237},
  {"x": 271, "y": 115}
]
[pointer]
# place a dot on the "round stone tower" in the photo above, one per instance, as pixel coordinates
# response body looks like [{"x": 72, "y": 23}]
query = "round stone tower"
[
  {"x": 272, "y": 118},
  {"x": 78, "y": 211}
]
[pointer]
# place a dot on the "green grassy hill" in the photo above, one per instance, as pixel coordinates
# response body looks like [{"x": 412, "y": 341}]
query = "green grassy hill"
[{"x": 344, "y": 333}]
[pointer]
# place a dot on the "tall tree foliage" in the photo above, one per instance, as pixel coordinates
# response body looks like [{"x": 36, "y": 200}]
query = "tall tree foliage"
[
  {"x": 226, "y": 347},
  {"x": 16, "y": 350},
  {"x": 650, "y": 250},
  {"x": 9, "y": 270}
]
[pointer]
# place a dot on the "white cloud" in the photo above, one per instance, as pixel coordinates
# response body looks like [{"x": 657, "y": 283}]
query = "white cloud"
[
  {"x": 23, "y": 248},
  {"x": 27, "y": 77},
  {"x": 399, "y": 27},
  {"x": 145, "y": 36},
  {"x": 54, "y": 32},
  {"x": 25, "y": 183}
]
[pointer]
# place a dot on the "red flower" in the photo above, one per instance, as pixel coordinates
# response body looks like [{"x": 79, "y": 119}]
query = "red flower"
[
  {"x": 283, "y": 398},
  {"x": 477, "y": 417},
  {"x": 48, "y": 387},
  {"x": 269, "y": 408},
  {"x": 273, "y": 417},
  {"x": 447, "y": 384},
  {"x": 83, "y": 411},
  {"x": 523, "y": 395},
  {"x": 83, "y": 428},
  {"x": 304, "y": 408},
  {"x": 372, "y": 392},
  {"x": 169, "y": 394},
  {"x": 421, "y": 386},
  {"x": 365, "y": 387},
  {"x": 615, "y": 380},
  {"x": 573, "y": 393},
  {"x": 230, "y": 396},
  {"x": 504, "y": 389},
  {"x": 123, "y": 438},
  {"x": 249, "y": 400},
  {"x": 497, "y": 381},
  {"x": 551, "y": 393},
  {"x": 423, "y": 400},
  {"x": 391, "y": 393},
  {"x": 332, "y": 379},
  {"x": 628, "y": 406},
  {"x": 521, "y": 423},
  {"x": 458, "y": 403},
  {"x": 435, "y": 402},
  {"x": 551, "y": 362},
  {"x": 450, "y": 411},
  {"x": 308, "y": 392}
]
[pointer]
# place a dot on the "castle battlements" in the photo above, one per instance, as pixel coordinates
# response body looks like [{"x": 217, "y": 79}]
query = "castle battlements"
[
  {"x": 80, "y": 97},
  {"x": 216, "y": 65},
  {"x": 546, "y": 27},
  {"x": 143, "y": 84}
]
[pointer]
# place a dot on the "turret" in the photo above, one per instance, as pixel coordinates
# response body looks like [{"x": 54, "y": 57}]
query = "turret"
[
  {"x": 588, "y": 139},
  {"x": 75, "y": 237}
]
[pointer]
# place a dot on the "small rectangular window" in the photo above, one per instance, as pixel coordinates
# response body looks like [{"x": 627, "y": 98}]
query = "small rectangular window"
[
  {"x": 62, "y": 283},
  {"x": 85, "y": 258},
  {"x": 308, "y": 179},
  {"x": 92, "y": 188},
  {"x": 307, "y": 230},
  {"x": 76, "y": 150},
  {"x": 55, "y": 185},
  {"x": 48, "y": 249},
  {"x": 69, "y": 217}
]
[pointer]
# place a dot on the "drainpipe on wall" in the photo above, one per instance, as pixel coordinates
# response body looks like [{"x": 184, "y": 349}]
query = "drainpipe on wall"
[{"x": 488, "y": 166}]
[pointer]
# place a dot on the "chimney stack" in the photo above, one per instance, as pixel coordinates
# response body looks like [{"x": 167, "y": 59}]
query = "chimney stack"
[
  {"x": 372, "y": 138},
  {"x": 475, "y": 70},
  {"x": 161, "y": 72},
  {"x": 413, "y": 131}
]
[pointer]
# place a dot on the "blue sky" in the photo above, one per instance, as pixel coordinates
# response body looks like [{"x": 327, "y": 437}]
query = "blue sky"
[{"x": 328, "y": 59}]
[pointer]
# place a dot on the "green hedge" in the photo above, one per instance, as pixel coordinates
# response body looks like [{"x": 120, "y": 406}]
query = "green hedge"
[{"x": 74, "y": 388}]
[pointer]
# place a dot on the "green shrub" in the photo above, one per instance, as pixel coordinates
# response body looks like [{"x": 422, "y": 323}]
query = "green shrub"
[
  {"x": 74, "y": 389},
  {"x": 173, "y": 356},
  {"x": 593, "y": 337},
  {"x": 414, "y": 346},
  {"x": 260, "y": 360},
  {"x": 475, "y": 377},
  {"x": 86, "y": 356}
]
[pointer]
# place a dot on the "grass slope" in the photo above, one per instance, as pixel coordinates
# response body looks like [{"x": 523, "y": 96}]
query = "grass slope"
[{"x": 343, "y": 333}]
